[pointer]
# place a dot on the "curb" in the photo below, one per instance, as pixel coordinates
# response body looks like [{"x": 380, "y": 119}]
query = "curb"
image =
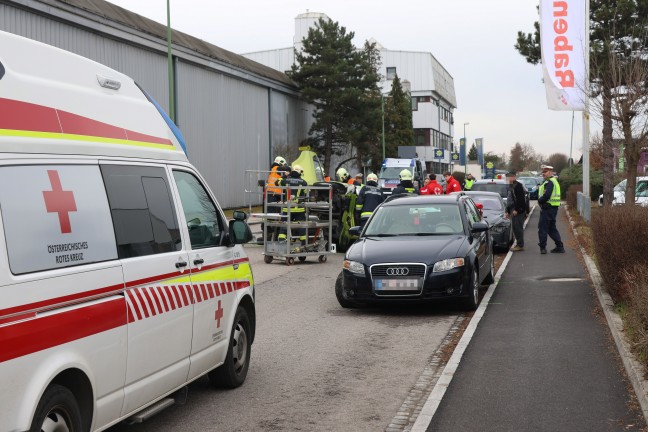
[
  {"x": 634, "y": 369},
  {"x": 434, "y": 400}
]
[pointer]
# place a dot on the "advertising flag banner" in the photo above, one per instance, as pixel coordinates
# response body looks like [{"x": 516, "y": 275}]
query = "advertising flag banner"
[
  {"x": 563, "y": 46},
  {"x": 439, "y": 153},
  {"x": 462, "y": 151},
  {"x": 455, "y": 157},
  {"x": 479, "y": 142}
]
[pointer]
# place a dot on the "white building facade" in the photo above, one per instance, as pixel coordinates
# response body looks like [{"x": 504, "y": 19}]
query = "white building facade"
[{"x": 431, "y": 88}]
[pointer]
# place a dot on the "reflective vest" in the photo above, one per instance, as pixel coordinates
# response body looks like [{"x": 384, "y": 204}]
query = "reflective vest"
[
  {"x": 294, "y": 193},
  {"x": 554, "y": 200},
  {"x": 272, "y": 181},
  {"x": 468, "y": 184}
]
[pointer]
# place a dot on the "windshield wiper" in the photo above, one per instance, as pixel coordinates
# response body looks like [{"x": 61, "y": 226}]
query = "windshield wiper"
[
  {"x": 380, "y": 235},
  {"x": 430, "y": 234}
]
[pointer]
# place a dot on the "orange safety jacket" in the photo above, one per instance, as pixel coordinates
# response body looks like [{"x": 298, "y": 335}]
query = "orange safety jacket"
[{"x": 272, "y": 181}]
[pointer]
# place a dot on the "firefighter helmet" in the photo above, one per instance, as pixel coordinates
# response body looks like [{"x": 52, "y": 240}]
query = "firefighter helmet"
[
  {"x": 372, "y": 177},
  {"x": 342, "y": 174},
  {"x": 405, "y": 175},
  {"x": 298, "y": 168},
  {"x": 280, "y": 161}
]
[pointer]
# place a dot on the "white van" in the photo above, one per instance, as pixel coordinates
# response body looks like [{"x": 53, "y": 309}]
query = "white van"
[{"x": 121, "y": 279}]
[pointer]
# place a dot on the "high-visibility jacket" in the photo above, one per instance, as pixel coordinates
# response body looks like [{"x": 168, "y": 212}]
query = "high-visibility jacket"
[
  {"x": 294, "y": 182},
  {"x": 554, "y": 199},
  {"x": 370, "y": 197},
  {"x": 468, "y": 184},
  {"x": 272, "y": 180}
]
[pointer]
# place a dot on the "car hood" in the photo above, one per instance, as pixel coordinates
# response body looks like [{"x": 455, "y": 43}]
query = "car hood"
[
  {"x": 494, "y": 217},
  {"x": 423, "y": 249}
]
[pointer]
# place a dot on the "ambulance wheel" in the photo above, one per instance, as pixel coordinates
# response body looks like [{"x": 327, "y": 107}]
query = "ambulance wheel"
[
  {"x": 290, "y": 261},
  {"x": 302, "y": 259},
  {"x": 232, "y": 373},
  {"x": 322, "y": 258},
  {"x": 57, "y": 410},
  {"x": 267, "y": 259}
]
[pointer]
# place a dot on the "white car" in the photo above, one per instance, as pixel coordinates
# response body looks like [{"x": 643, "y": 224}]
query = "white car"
[{"x": 641, "y": 195}]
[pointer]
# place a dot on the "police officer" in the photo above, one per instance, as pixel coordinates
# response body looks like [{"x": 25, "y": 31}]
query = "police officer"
[
  {"x": 294, "y": 193},
  {"x": 549, "y": 202},
  {"x": 369, "y": 198},
  {"x": 405, "y": 185},
  {"x": 468, "y": 183}
]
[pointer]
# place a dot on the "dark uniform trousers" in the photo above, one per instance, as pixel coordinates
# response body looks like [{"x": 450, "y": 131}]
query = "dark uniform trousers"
[{"x": 547, "y": 226}]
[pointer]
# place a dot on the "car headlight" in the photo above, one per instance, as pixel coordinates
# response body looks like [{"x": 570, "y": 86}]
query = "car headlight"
[
  {"x": 448, "y": 264},
  {"x": 353, "y": 266},
  {"x": 498, "y": 229}
]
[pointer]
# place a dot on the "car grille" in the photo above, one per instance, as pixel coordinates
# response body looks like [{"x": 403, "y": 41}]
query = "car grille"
[{"x": 398, "y": 279}]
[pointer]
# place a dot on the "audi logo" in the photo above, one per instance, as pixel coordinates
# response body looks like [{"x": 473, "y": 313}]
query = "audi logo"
[{"x": 397, "y": 271}]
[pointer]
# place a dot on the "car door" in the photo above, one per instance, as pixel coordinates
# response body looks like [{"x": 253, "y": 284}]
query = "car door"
[
  {"x": 482, "y": 239},
  {"x": 158, "y": 291},
  {"x": 212, "y": 270}
]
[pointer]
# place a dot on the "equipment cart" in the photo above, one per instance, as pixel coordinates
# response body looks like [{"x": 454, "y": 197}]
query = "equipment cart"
[{"x": 310, "y": 237}]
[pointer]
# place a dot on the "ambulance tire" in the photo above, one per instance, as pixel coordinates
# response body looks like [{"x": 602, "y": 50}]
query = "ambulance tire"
[
  {"x": 232, "y": 373},
  {"x": 57, "y": 410}
]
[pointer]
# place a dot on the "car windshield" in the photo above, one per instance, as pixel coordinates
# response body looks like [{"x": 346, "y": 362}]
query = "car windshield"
[
  {"x": 642, "y": 189},
  {"x": 419, "y": 219},
  {"x": 392, "y": 172},
  {"x": 621, "y": 186},
  {"x": 488, "y": 201},
  {"x": 528, "y": 182},
  {"x": 500, "y": 188}
]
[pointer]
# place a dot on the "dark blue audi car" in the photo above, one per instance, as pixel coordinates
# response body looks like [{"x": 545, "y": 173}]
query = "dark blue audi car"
[{"x": 418, "y": 248}]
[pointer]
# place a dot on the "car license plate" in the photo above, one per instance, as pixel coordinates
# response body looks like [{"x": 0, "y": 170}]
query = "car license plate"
[{"x": 397, "y": 284}]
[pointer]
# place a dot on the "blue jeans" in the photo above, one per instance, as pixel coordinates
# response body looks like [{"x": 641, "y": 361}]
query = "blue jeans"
[{"x": 547, "y": 226}]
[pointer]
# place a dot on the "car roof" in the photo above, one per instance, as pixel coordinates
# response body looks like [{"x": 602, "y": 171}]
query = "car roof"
[
  {"x": 487, "y": 181},
  {"x": 421, "y": 199},
  {"x": 484, "y": 193}
]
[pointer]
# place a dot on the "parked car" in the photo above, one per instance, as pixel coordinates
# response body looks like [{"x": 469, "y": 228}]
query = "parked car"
[
  {"x": 494, "y": 211},
  {"x": 619, "y": 192},
  {"x": 532, "y": 184},
  {"x": 418, "y": 248},
  {"x": 501, "y": 187}
]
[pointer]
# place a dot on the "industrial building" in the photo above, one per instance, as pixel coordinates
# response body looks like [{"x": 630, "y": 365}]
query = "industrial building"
[
  {"x": 431, "y": 88},
  {"x": 232, "y": 111}
]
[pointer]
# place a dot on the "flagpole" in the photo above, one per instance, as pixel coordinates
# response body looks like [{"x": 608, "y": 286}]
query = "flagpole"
[{"x": 586, "y": 116}]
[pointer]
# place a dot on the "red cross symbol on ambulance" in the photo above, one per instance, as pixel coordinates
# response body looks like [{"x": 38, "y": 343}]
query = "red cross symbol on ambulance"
[
  {"x": 59, "y": 201},
  {"x": 219, "y": 314}
]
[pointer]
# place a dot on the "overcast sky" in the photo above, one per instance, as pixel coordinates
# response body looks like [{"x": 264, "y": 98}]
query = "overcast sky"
[{"x": 498, "y": 93}]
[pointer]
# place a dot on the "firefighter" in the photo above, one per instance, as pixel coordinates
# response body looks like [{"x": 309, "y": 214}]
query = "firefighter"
[
  {"x": 342, "y": 175},
  {"x": 370, "y": 197},
  {"x": 272, "y": 191},
  {"x": 405, "y": 185},
  {"x": 294, "y": 192}
]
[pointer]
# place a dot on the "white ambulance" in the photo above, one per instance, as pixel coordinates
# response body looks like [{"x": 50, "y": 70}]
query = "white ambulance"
[{"x": 121, "y": 280}]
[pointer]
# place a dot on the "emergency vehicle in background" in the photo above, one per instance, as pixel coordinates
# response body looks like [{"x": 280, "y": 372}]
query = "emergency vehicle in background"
[
  {"x": 390, "y": 170},
  {"x": 121, "y": 280}
]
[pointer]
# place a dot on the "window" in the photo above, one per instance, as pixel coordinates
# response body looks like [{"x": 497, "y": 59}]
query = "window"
[
  {"x": 415, "y": 102},
  {"x": 203, "y": 221},
  {"x": 142, "y": 210},
  {"x": 391, "y": 73},
  {"x": 471, "y": 212},
  {"x": 55, "y": 216}
]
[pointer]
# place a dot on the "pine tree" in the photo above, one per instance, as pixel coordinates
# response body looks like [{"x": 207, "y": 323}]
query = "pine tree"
[
  {"x": 398, "y": 119},
  {"x": 473, "y": 155}
]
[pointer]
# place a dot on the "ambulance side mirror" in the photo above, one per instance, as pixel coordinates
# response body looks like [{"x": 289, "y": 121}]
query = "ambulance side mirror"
[{"x": 239, "y": 232}]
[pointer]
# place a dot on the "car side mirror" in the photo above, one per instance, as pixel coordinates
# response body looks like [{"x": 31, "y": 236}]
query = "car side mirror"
[
  {"x": 239, "y": 231},
  {"x": 479, "y": 227},
  {"x": 354, "y": 231}
]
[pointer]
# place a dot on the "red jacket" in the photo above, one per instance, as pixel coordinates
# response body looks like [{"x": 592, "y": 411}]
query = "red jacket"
[
  {"x": 452, "y": 186},
  {"x": 432, "y": 188}
]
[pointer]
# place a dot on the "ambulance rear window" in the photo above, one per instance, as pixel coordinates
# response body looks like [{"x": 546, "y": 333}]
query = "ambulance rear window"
[{"x": 142, "y": 210}]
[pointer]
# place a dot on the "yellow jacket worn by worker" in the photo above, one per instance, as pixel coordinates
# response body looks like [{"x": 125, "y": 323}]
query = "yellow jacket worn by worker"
[{"x": 554, "y": 198}]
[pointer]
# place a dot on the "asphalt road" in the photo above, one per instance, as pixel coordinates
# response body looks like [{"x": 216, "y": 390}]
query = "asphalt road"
[{"x": 316, "y": 366}]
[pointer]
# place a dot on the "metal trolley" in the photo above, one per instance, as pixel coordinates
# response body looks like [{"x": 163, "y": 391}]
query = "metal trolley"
[{"x": 316, "y": 228}]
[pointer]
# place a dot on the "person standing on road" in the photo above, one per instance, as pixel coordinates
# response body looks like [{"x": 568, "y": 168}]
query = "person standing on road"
[
  {"x": 431, "y": 187},
  {"x": 468, "y": 182},
  {"x": 406, "y": 185},
  {"x": 452, "y": 185},
  {"x": 295, "y": 194},
  {"x": 549, "y": 202},
  {"x": 370, "y": 197},
  {"x": 516, "y": 209}
]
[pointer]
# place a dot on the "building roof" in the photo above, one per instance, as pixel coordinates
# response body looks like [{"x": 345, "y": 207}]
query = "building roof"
[{"x": 130, "y": 19}]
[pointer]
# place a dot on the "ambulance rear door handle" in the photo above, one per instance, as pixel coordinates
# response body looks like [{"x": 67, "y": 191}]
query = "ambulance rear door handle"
[
  {"x": 198, "y": 261},
  {"x": 180, "y": 264}
]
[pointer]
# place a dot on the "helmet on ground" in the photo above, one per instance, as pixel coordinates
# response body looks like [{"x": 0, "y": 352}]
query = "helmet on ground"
[
  {"x": 405, "y": 175},
  {"x": 341, "y": 174},
  {"x": 280, "y": 161},
  {"x": 372, "y": 177},
  {"x": 298, "y": 168}
]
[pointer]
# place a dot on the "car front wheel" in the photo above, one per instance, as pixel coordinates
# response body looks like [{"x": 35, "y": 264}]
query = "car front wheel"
[
  {"x": 57, "y": 411},
  {"x": 471, "y": 302},
  {"x": 232, "y": 373},
  {"x": 341, "y": 294}
]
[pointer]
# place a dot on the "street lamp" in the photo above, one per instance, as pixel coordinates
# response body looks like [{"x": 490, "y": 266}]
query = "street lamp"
[
  {"x": 382, "y": 108},
  {"x": 465, "y": 149}
]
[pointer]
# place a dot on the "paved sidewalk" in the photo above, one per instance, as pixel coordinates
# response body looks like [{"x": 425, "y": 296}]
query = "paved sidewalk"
[{"x": 541, "y": 358}]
